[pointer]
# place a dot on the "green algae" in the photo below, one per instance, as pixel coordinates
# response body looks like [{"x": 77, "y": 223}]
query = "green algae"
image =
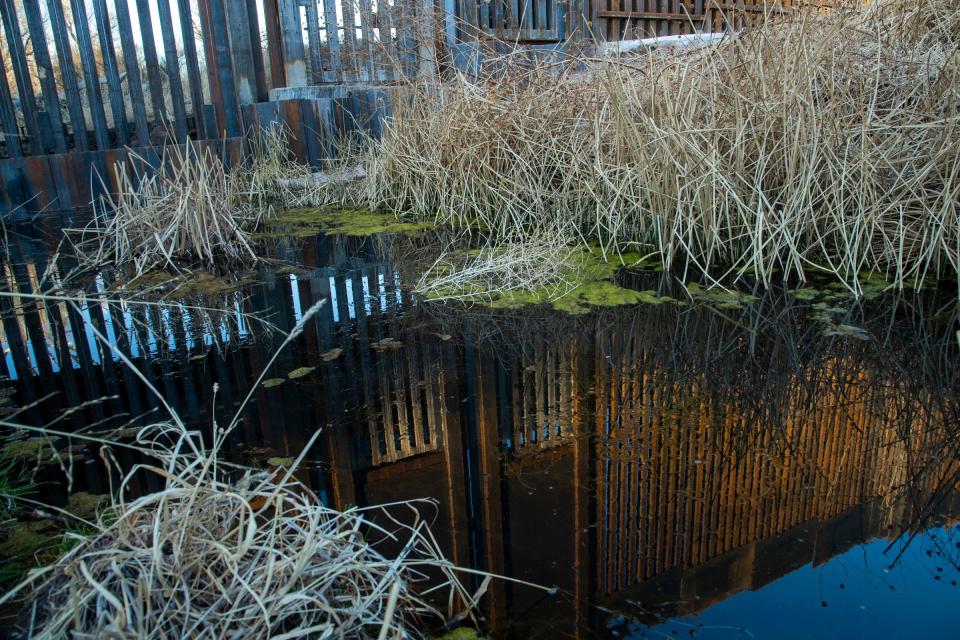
[
  {"x": 590, "y": 276},
  {"x": 462, "y": 633},
  {"x": 330, "y": 356},
  {"x": 197, "y": 283},
  {"x": 387, "y": 344},
  {"x": 38, "y": 449},
  {"x": 847, "y": 330},
  {"x": 309, "y": 222},
  {"x": 728, "y": 299}
]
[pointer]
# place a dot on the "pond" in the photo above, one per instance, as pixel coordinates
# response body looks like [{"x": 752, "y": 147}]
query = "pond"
[{"x": 761, "y": 464}]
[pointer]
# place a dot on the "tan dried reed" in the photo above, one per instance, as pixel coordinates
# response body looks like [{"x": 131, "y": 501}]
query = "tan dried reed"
[{"x": 814, "y": 142}]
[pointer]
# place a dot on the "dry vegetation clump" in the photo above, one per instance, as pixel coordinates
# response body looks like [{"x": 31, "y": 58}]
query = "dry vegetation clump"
[
  {"x": 185, "y": 211},
  {"x": 814, "y": 142},
  {"x": 189, "y": 210},
  {"x": 271, "y": 172},
  {"x": 545, "y": 266},
  {"x": 221, "y": 553}
]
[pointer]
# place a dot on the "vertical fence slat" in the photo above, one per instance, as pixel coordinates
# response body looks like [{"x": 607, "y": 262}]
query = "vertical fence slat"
[
  {"x": 68, "y": 74},
  {"x": 243, "y": 70},
  {"x": 172, "y": 61},
  {"x": 8, "y": 115},
  {"x": 366, "y": 32},
  {"x": 215, "y": 124},
  {"x": 149, "y": 44},
  {"x": 313, "y": 38},
  {"x": 193, "y": 67},
  {"x": 131, "y": 66},
  {"x": 450, "y": 24},
  {"x": 256, "y": 49},
  {"x": 111, "y": 71},
  {"x": 271, "y": 12},
  {"x": 21, "y": 73},
  {"x": 352, "y": 70},
  {"x": 484, "y": 20},
  {"x": 295, "y": 67},
  {"x": 48, "y": 84},
  {"x": 333, "y": 38},
  {"x": 223, "y": 91},
  {"x": 387, "y": 43},
  {"x": 91, "y": 78},
  {"x": 427, "y": 67},
  {"x": 411, "y": 35}
]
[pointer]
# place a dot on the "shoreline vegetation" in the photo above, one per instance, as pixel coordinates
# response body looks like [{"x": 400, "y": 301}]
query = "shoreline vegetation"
[
  {"x": 807, "y": 144},
  {"x": 817, "y": 143}
]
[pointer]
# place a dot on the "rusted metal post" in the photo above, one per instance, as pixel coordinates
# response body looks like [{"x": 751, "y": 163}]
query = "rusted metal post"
[{"x": 271, "y": 12}]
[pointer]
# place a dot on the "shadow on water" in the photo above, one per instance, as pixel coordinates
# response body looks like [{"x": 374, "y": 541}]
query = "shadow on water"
[{"x": 716, "y": 470}]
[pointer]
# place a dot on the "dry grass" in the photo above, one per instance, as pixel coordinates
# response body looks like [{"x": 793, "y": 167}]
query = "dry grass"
[
  {"x": 188, "y": 210},
  {"x": 219, "y": 552},
  {"x": 272, "y": 174},
  {"x": 183, "y": 212},
  {"x": 541, "y": 265},
  {"x": 825, "y": 142}
]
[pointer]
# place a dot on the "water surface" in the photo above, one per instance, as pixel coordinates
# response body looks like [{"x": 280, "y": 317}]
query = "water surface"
[{"x": 714, "y": 469}]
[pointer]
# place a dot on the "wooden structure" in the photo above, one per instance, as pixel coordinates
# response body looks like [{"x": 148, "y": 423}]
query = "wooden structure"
[{"x": 80, "y": 79}]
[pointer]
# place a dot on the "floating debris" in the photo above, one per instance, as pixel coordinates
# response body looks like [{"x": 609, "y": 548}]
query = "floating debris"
[
  {"x": 386, "y": 344},
  {"x": 333, "y": 354},
  {"x": 300, "y": 372}
]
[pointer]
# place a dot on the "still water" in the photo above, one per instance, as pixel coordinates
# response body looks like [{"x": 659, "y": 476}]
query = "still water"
[{"x": 716, "y": 470}]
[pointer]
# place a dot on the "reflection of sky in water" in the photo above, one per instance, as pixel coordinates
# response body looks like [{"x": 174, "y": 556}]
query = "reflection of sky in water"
[{"x": 913, "y": 599}]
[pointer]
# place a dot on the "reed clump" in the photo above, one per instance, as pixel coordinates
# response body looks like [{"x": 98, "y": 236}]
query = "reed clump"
[
  {"x": 189, "y": 210},
  {"x": 186, "y": 210},
  {"x": 271, "y": 172},
  {"x": 811, "y": 142}
]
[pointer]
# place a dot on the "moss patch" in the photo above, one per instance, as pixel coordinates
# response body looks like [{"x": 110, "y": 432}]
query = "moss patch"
[
  {"x": 199, "y": 283},
  {"x": 730, "y": 299},
  {"x": 462, "y": 633},
  {"x": 306, "y": 223},
  {"x": 27, "y": 449},
  {"x": 24, "y": 539},
  {"x": 300, "y": 372},
  {"x": 330, "y": 356},
  {"x": 84, "y": 505}
]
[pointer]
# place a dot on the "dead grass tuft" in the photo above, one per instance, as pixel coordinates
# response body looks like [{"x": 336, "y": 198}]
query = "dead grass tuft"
[
  {"x": 220, "y": 552},
  {"x": 184, "y": 211}
]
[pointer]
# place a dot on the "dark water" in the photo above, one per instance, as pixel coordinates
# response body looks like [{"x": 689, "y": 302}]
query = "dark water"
[{"x": 713, "y": 470}]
